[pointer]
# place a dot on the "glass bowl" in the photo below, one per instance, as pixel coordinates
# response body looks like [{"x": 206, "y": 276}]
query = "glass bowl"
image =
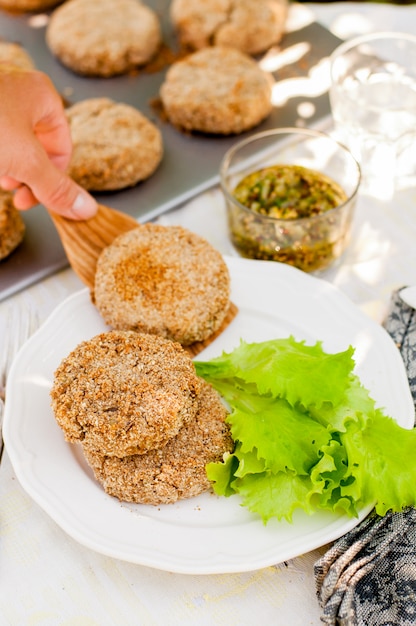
[{"x": 307, "y": 224}]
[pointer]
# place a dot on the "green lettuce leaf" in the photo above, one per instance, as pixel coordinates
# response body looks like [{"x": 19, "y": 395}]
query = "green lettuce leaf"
[
  {"x": 307, "y": 434},
  {"x": 284, "y": 436},
  {"x": 286, "y": 368},
  {"x": 381, "y": 458},
  {"x": 222, "y": 475},
  {"x": 355, "y": 400},
  {"x": 275, "y": 495}
]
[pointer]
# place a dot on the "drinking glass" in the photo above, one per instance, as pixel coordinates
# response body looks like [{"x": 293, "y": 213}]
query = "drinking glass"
[{"x": 373, "y": 103}]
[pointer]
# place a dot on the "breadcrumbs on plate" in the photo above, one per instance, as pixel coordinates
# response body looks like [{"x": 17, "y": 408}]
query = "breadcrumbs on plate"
[
  {"x": 177, "y": 470},
  {"x": 123, "y": 393}
]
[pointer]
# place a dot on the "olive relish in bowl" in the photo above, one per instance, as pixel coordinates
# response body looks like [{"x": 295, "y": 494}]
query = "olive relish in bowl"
[
  {"x": 289, "y": 192},
  {"x": 288, "y": 211}
]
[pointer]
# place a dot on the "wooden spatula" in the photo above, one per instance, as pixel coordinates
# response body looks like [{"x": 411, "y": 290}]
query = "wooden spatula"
[{"x": 84, "y": 240}]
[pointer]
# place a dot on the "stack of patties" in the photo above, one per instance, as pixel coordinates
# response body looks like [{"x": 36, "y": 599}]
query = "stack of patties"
[{"x": 147, "y": 424}]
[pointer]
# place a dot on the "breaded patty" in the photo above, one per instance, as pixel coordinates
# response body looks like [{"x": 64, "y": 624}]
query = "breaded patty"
[
  {"x": 114, "y": 144},
  {"x": 163, "y": 280},
  {"x": 123, "y": 393},
  {"x": 12, "y": 226},
  {"x": 103, "y": 37},
  {"x": 176, "y": 471},
  {"x": 252, "y": 26},
  {"x": 217, "y": 90},
  {"x": 14, "y": 54},
  {"x": 28, "y": 5}
]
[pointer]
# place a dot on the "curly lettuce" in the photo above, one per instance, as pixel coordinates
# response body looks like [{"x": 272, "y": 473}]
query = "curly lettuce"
[{"x": 307, "y": 433}]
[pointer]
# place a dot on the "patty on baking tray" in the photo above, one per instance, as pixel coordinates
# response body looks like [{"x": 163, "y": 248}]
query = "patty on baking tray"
[
  {"x": 123, "y": 392},
  {"x": 114, "y": 144},
  {"x": 164, "y": 280},
  {"x": 252, "y": 26},
  {"x": 28, "y": 5},
  {"x": 12, "y": 227},
  {"x": 14, "y": 54},
  {"x": 103, "y": 37},
  {"x": 175, "y": 471},
  {"x": 217, "y": 90}
]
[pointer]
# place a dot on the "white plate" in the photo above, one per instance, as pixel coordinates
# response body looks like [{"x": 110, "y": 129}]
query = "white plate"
[{"x": 206, "y": 534}]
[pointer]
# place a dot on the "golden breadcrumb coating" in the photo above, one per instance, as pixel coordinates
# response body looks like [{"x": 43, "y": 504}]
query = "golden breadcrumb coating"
[
  {"x": 103, "y": 37},
  {"x": 123, "y": 392},
  {"x": 252, "y": 26},
  {"x": 216, "y": 90},
  {"x": 175, "y": 471},
  {"x": 114, "y": 144},
  {"x": 163, "y": 280}
]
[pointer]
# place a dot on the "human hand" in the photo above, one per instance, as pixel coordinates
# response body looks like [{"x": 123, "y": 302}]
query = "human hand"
[{"x": 36, "y": 146}]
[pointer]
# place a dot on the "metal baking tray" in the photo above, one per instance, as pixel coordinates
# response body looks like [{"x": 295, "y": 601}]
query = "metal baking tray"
[{"x": 191, "y": 162}]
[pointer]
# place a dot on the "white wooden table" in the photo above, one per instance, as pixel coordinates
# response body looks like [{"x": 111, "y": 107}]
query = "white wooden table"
[{"x": 48, "y": 579}]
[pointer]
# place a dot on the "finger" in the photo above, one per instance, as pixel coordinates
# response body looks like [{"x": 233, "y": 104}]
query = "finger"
[
  {"x": 52, "y": 187},
  {"x": 54, "y": 134},
  {"x": 24, "y": 199},
  {"x": 42, "y": 150},
  {"x": 8, "y": 183},
  {"x": 59, "y": 193}
]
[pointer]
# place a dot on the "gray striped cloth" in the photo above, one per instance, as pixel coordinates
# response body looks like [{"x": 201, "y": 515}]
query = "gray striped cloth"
[{"x": 368, "y": 576}]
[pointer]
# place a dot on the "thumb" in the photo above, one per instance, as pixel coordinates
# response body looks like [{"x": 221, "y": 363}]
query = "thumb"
[{"x": 56, "y": 191}]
